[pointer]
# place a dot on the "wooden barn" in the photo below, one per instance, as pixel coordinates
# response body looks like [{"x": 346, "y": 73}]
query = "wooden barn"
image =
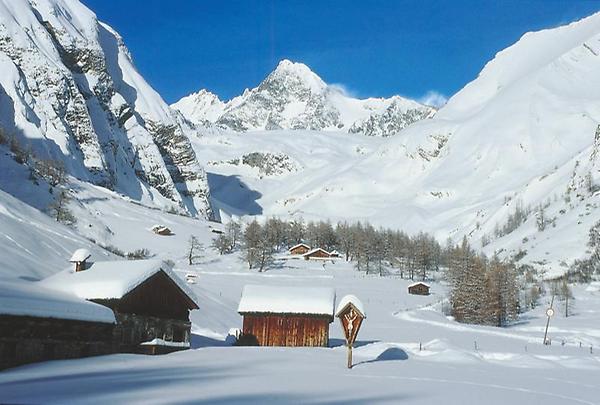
[
  {"x": 39, "y": 324},
  {"x": 286, "y": 316},
  {"x": 299, "y": 249},
  {"x": 419, "y": 288},
  {"x": 317, "y": 253},
  {"x": 151, "y": 304}
]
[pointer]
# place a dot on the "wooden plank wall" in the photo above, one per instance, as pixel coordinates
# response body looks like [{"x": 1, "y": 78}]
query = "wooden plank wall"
[
  {"x": 284, "y": 330},
  {"x": 28, "y": 339}
]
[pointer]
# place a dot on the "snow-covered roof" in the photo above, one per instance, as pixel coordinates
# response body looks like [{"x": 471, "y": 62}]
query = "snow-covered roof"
[
  {"x": 112, "y": 279},
  {"x": 419, "y": 283},
  {"x": 80, "y": 255},
  {"x": 287, "y": 300},
  {"x": 310, "y": 252},
  {"x": 27, "y": 298},
  {"x": 350, "y": 299},
  {"x": 299, "y": 245}
]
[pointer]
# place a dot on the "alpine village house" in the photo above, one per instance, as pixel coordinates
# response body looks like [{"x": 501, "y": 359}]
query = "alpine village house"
[{"x": 150, "y": 302}]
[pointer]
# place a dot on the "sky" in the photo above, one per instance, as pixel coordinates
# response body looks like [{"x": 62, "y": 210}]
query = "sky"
[{"x": 423, "y": 49}]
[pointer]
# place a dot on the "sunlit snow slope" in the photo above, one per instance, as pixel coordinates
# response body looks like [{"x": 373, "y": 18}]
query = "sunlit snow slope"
[{"x": 523, "y": 134}]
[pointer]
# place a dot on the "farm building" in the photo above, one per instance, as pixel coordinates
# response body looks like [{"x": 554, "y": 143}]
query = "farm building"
[
  {"x": 286, "y": 316},
  {"x": 39, "y": 324},
  {"x": 418, "y": 288},
  {"x": 299, "y": 249},
  {"x": 335, "y": 253},
  {"x": 151, "y": 304},
  {"x": 317, "y": 253}
]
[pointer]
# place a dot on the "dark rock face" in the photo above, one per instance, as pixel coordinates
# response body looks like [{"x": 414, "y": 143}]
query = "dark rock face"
[
  {"x": 86, "y": 105},
  {"x": 391, "y": 121}
]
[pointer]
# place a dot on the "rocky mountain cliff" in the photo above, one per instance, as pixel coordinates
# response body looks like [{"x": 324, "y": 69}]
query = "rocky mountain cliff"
[
  {"x": 294, "y": 97},
  {"x": 69, "y": 91}
]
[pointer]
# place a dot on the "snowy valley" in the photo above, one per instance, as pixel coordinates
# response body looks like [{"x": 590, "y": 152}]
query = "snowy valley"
[{"x": 93, "y": 158}]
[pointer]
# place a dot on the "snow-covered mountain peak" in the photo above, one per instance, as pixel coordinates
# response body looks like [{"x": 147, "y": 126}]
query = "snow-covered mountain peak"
[
  {"x": 200, "y": 106},
  {"x": 294, "y": 97},
  {"x": 294, "y": 73}
]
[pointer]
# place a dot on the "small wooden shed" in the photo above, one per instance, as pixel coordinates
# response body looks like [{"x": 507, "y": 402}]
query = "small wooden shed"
[
  {"x": 286, "y": 316},
  {"x": 299, "y": 249},
  {"x": 150, "y": 302},
  {"x": 419, "y": 288},
  {"x": 317, "y": 253}
]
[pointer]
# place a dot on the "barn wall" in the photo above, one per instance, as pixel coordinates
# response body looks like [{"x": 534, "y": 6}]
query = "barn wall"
[
  {"x": 27, "y": 339},
  {"x": 418, "y": 290},
  {"x": 133, "y": 329},
  {"x": 284, "y": 330}
]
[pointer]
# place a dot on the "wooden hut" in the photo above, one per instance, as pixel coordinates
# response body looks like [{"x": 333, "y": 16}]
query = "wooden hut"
[
  {"x": 335, "y": 254},
  {"x": 299, "y": 249},
  {"x": 419, "y": 288},
  {"x": 317, "y": 253},
  {"x": 151, "y": 303},
  {"x": 39, "y": 324},
  {"x": 286, "y": 316}
]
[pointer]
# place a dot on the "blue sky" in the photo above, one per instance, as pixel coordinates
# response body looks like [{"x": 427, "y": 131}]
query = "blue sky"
[{"x": 371, "y": 48}]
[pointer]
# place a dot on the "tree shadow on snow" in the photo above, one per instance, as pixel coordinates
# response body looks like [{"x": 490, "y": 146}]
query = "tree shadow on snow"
[{"x": 334, "y": 342}]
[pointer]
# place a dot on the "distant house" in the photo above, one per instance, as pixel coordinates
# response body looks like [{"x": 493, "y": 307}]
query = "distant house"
[
  {"x": 317, "y": 253},
  {"x": 151, "y": 304},
  {"x": 79, "y": 259},
  {"x": 335, "y": 253},
  {"x": 161, "y": 230},
  {"x": 419, "y": 288},
  {"x": 286, "y": 316},
  {"x": 39, "y": 324},
  {"x": 299, "y": 249}
]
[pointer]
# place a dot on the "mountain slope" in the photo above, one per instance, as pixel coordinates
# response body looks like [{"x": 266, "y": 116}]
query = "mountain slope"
[
  {"x": 511, "y": 160},
  {"x": 294, "y": 97},
  {"x": 69, "y": 90}
]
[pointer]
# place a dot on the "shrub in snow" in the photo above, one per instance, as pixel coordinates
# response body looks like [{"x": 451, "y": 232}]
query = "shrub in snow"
[
  {"x": 59, "y": 208},
  {"x": 114, "y": 250},
  {"x": 139, "y": 254},
  {"x": 223, "y": 244},
  {"x": 52, "y": 171}
]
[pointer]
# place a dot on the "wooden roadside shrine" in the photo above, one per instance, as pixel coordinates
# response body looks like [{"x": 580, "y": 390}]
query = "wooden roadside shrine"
[{"x": 351, "y": 313}]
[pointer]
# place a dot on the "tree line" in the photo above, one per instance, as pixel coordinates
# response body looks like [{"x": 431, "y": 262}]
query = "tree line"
[{"x": 373, "y": 250}]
